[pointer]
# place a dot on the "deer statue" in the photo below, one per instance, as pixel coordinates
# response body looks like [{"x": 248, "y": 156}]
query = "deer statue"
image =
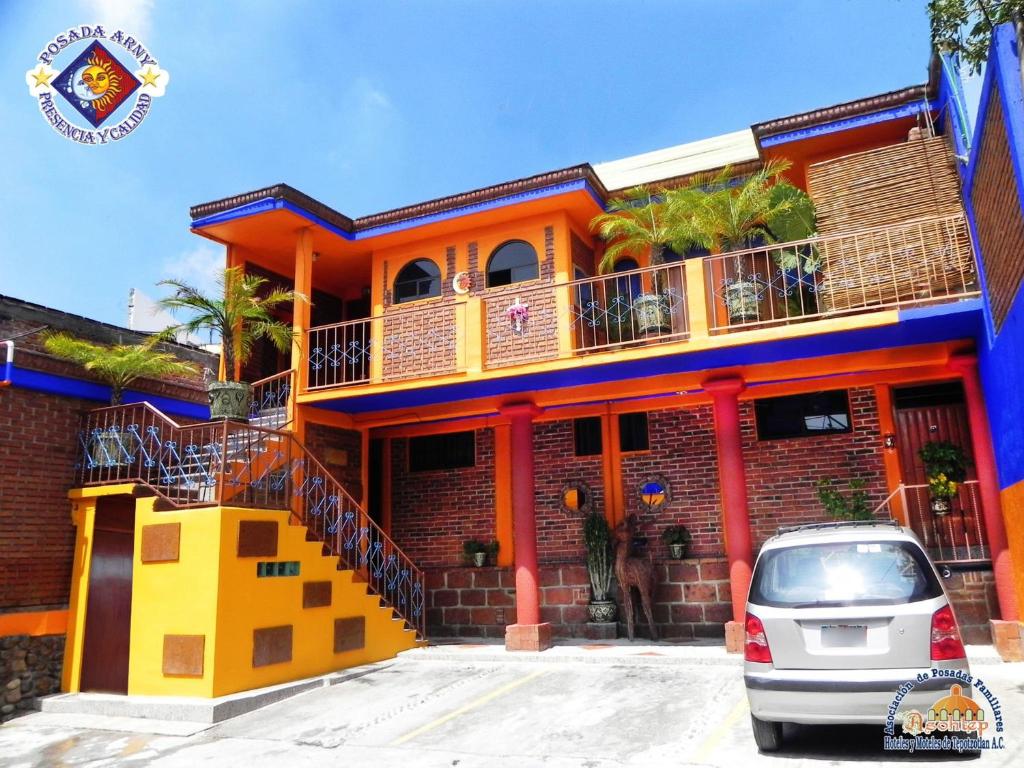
[{"x": 633, "y": 572}]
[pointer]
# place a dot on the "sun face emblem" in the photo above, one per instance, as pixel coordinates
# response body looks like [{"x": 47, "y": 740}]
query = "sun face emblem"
[{"x": 96, "y": 84}]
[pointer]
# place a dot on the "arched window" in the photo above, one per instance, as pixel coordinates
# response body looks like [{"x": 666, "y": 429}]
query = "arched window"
[
  {"x": 629, "y": 284},
  {"x": 512, "y": 262},
  {"x": 418, "y": 279}
]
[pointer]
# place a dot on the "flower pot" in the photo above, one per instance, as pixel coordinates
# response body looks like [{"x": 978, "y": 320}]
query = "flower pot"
[
  {"x": 108, "y": 449},
  {"x": 479, "y": 559},
  {"x": 602, "y": 611},
  {"x": 652, "y": 314},
  {"x": 940, "y": 507},
  {"x": 741, "y": 301},
  {"x": 678, "y": 551},
  {"x": 229, "y": 400}
]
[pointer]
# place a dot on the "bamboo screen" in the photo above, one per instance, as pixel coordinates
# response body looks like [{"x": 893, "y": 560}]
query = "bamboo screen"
[{"x": 898, "y": 188}]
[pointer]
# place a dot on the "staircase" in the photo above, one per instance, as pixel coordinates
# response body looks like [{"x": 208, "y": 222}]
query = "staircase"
[{"x": 248, "y": 465}]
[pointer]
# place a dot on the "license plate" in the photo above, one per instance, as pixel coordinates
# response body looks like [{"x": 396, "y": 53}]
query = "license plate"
[{"x": 843, "y": 635}]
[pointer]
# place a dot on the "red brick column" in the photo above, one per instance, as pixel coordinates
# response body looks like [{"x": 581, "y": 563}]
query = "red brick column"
[
  {"x": 988, "y": 481},
  {"x": 732, "y": 479},
  {"x": 528, "y": 633}
]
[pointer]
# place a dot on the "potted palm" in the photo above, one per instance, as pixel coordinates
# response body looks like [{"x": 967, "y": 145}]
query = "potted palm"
[
  {"x": 634, "y": 223},
  {"x": 721, "y": 213},
  {"x": 678, "y": 538},
  {"x": 476, "y": 552},
  {"x": 240, "y": 315},
  {"x": 118, "y": 366},
  {"x": 600, "y": 566}
]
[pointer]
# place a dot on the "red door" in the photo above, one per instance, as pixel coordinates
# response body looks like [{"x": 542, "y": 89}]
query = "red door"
[
  {"x": 937, "y": 413},
  {"x": 109, "y": 602}
]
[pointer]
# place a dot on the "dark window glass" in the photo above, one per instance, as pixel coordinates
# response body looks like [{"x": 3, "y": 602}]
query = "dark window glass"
[
  {"x": 948, "y": 393},
  {"x": 587, "y": 433},
  {"x": 628, "y": 285},
  {"x": 513, "y": 262},
  {"x": 450, "y": 451},
  {"x": 420, "y": 279},
  {"x": 633, "y": 432},
  {"x": 817, "y": 413}
]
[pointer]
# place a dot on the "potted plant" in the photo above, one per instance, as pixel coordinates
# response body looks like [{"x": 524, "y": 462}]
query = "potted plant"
[
  {"x": 856, "y": 506},
  {"x": 117, "y": 365},
  {"x": 945, "y": 466},
  {"x": 241, "y": 315},
  {"x": 475, "y": 552},
  {"x": 678, "y": 538},
  {"x": 600, "y": 566},
  {"x": 491, "y": 550},
  {"x": 634, "y": 223},
  {"x": 723, "y": 214}
]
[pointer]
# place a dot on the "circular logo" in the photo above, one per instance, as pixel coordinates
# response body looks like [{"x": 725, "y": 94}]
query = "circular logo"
[{"x": 109, "y": 80}]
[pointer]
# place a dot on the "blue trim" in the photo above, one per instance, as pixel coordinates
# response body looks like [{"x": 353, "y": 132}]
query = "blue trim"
[
  {"x": 272, "y": 204},
  {"x": 65, "y": 386},
  {"x": 958, "y": 320},
  {"x": 1007, "y": 66},
  {"x": 893, "y": 113},
  {"x": 987, "y": 82}
]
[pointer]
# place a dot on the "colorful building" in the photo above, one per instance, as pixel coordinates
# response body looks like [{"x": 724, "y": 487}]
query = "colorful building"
[{"x": 463, "y": 371}]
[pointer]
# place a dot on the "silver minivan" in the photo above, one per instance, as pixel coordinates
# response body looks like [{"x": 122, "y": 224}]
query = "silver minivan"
[{"x": 840, "y": 615}]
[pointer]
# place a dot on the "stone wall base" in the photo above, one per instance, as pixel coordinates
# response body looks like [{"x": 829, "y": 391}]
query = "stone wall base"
[{"x": 30, "y": 667}]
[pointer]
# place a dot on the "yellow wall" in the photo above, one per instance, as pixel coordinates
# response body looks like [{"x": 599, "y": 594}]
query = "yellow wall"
[
  {"x": 210, "y": 591},
  {"x": 1012, "y": 499}
]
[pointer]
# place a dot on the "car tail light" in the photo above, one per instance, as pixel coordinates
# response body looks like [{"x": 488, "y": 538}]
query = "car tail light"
[
  {"x": 946, "y": 643},
  {"x": 756, "y": 646}
]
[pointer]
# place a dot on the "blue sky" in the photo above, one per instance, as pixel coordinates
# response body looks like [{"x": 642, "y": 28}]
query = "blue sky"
[{"x": 372, "y": 105}]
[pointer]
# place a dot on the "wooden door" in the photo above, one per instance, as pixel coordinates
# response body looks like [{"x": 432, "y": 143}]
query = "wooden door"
[
  {"x": 109, "y": 602},
  {"x": 937, "y": 413}
]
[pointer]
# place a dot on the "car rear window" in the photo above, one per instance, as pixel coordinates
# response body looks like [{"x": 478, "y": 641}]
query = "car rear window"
[{"x": 845, "y": 573}]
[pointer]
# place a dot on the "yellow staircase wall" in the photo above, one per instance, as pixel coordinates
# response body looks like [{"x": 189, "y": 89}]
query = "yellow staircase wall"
[{"x": 213, "y": 593}]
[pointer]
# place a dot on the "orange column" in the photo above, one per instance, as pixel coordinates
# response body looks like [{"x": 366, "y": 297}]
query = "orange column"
[
  {"x": 732, "y": 479},
  {"x": 300, "y": 321},
  {"x": 528, "y": 633},
  {"x": 988, "y": 482}
]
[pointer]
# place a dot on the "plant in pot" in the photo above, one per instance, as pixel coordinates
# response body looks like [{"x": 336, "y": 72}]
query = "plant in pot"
[
  {"x": 723, "y": 213},
  {"x": 118, "y": 366},
  {"x": 634, "y": 223},
  {"x": 945, "y": 466},
  {"x": 855, "y": 506},
  {"x": 474, "y": 552},
  {"x": 240, "y": 315},
  {"x": 678, "y": 538},
  {"x": 600, "y": 567}
]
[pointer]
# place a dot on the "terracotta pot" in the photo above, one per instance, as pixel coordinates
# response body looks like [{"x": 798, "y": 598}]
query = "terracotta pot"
[
  {"x": 602, "y": 611},
  {"x": 229, "y": 400}
]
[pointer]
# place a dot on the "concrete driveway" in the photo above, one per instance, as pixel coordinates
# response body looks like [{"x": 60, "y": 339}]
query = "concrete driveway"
[{"x": 475, "y": 706}]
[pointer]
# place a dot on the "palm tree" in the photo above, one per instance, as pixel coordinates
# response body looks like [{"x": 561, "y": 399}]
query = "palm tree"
[
  {"x": 118, "y": 364},
  {"x": 723, "y": 214},
  {"x": 633, "y": 223},
  {"x": 241, "y": 315}
]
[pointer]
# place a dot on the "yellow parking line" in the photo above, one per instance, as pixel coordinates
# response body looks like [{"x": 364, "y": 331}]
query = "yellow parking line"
[
  {"x": 720, "y": 732},
  {"x": 467, "y": 707}
]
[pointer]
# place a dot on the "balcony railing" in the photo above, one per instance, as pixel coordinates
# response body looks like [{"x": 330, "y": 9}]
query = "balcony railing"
[
  {"x": 914, "y": 263},
  {"x": 954, "y": 536},
  {"x": 885, "y": 267}
]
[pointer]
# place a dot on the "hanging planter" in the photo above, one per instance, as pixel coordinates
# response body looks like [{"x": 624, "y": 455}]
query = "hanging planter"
[
  {"x": 517, "y": 315},
  {"x": 652, "y": 314}
]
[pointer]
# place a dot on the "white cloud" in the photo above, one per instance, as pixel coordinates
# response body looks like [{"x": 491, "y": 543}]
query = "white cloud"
[
  {"x": 132, "y": 16},
  {"x": 199, "y": 267},
  {"x": 369, "y": 128}
]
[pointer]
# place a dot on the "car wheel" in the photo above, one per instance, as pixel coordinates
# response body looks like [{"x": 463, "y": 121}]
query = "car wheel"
[{"x": 767, "y": 735}]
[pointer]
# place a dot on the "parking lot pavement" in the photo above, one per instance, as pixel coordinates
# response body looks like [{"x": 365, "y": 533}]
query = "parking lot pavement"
[{"x": 641, "y": 709}]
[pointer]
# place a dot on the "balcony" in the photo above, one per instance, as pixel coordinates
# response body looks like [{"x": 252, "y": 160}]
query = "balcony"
[{"x": 916, "y": 263}]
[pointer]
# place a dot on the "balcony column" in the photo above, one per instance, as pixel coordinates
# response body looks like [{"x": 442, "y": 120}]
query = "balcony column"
[
  {"x": 528, "y": 633},
  {"x": 732, "y": 479},
  {"x": 988, "y": 483},
  {"x": 301, "y": 317}
]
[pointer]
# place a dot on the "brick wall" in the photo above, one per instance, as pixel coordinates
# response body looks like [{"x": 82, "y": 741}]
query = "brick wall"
[
  {"x": 326, "y": 443},
  {"x": 690, "y": 601},
  {"x": 973, "y": 594},
  {"x": 432, "y": 513},
  {"x": 782, "y": 475},
  {"x": 538, "y": 337},
  {"x": 421, "y": 341},
  {"x": 559, "y": 533},
  {"x": 682, "y": 449}
]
